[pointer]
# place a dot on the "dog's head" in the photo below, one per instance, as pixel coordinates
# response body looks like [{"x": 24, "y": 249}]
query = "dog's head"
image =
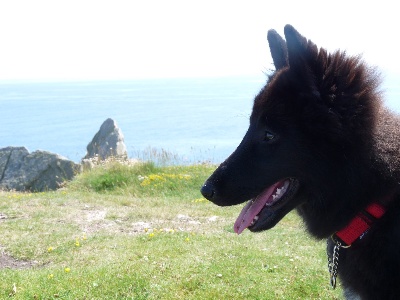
[{"x": 314, "y": 116}]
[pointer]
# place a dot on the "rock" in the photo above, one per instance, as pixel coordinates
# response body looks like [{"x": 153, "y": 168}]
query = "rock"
[
  {"x": 107, "y": 142},
  {"x": 37, "y": 171},
  {"x": 87, "y": 164}
]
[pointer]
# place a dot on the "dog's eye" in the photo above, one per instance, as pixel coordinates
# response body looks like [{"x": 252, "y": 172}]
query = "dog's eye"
[{"x": 268, "y": 136}]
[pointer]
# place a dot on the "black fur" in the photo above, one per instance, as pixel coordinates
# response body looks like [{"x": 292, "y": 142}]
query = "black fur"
[{"x": 320, "y": 121}]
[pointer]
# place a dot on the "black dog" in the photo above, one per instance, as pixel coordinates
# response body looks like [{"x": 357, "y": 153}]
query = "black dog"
[{"x": 321, "y": 142}]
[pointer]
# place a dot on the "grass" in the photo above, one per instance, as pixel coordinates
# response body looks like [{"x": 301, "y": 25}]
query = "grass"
[{"x": 144, "y": 232}]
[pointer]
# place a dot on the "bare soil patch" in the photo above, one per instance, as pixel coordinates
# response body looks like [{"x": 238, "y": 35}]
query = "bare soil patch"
[{"x": 8, "y": 262}]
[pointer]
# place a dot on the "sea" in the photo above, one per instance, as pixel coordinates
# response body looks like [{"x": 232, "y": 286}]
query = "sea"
[{"x": 186, "y": 121}]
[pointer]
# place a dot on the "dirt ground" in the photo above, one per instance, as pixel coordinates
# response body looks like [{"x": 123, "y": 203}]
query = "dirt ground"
[
  {"x": 95, "y": 220},
  {"x": 6, "y": 261}
]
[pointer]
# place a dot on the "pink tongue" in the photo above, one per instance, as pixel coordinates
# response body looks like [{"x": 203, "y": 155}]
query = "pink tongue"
[{"x": 253, "y": 208}]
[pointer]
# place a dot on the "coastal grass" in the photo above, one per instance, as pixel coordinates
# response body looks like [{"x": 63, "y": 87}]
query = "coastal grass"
[{"x": 140, "y": 231}]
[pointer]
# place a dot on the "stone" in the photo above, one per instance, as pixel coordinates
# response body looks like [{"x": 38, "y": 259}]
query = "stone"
[
  {"x": 37, "y": 171},
  {"x": 107, "y": 142},
  {"x": 87, "y": 164}
]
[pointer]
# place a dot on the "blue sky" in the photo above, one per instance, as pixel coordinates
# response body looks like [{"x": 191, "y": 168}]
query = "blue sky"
[{"x": 115, "y": 39}]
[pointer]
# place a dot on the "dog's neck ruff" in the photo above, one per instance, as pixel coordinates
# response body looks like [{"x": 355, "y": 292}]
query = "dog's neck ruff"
[{"x": 361, "y": 223}]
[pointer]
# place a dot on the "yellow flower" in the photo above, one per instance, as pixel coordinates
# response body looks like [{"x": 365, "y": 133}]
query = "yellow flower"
[
  {"x": 158, "y": 179},
  {"x": 67, "y": 270},
  {"x": 50, "y": 276},
  {"x": 199, "y": 200},
  {"x": 50, "y": 249}
]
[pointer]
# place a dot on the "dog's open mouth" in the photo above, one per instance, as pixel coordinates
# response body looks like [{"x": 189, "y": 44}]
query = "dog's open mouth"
[{"x": 267, "y": 208}]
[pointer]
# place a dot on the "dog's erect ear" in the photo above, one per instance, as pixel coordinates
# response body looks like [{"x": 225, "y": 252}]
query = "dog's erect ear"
[
  {"x": 301, "y": 51},
  {"x": 278, "y": 48}
]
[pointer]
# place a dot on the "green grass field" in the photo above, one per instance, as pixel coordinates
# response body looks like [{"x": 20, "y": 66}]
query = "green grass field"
[{"x": 144, "y": 232}]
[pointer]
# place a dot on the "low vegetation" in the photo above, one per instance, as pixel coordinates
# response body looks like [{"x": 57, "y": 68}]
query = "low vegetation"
[{"x": 139, "y": 231}]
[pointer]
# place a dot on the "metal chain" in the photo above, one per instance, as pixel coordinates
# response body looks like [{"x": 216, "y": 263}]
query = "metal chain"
[{"x": 334, "y": 263}]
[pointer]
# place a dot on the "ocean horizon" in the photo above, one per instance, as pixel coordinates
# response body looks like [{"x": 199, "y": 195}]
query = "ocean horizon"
[{"x": 193, "y": 119}]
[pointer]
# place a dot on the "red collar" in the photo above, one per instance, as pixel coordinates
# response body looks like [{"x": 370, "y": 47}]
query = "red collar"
[{"x": 361, "y": 223}]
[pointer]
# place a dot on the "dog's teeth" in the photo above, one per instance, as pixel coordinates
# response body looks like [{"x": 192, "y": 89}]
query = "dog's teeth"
[{"x": 254, "y": 221}]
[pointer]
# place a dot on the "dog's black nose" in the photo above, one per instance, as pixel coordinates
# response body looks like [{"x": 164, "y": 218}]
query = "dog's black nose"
[{"x": 207, "y": 190}]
